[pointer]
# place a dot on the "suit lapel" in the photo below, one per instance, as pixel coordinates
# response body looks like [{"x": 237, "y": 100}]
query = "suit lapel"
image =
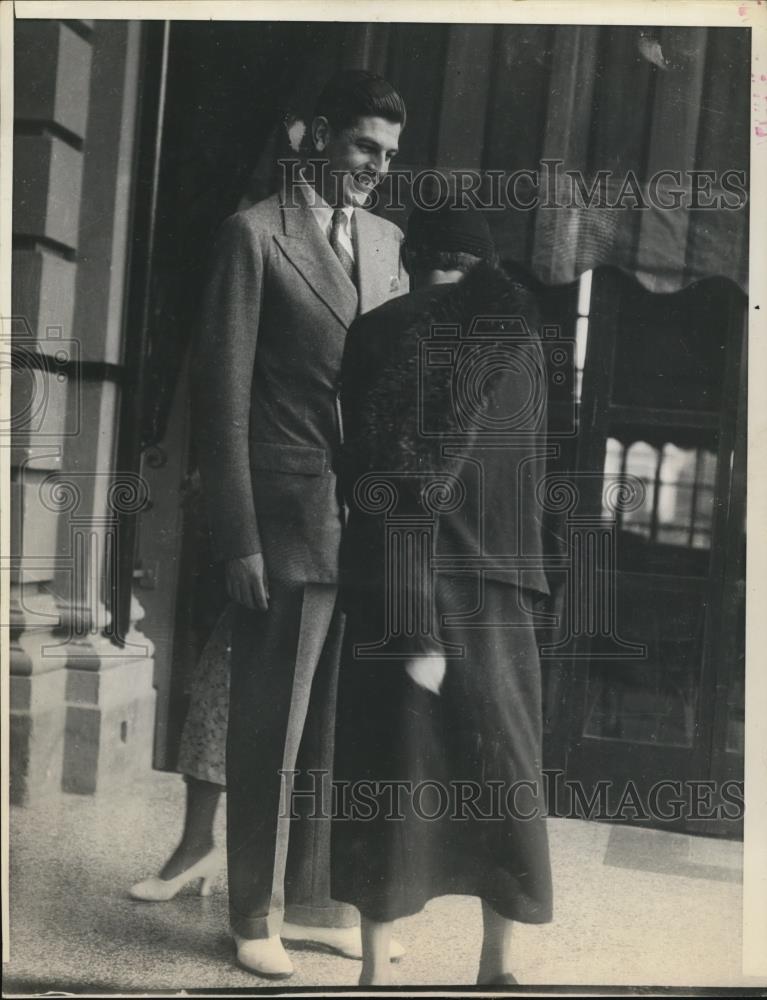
[
  {"x": 310, "y": 253},
  {"x": 374, "y": 274}
]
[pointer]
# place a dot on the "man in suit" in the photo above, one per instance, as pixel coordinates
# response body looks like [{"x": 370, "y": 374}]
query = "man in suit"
[{"x": 289, "y": 275}]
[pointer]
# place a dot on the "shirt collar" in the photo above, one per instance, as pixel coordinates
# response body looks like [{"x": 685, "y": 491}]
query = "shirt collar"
[{"x": 320, "y": 208}]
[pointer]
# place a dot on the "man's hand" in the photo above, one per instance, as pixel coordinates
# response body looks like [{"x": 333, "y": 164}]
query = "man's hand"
[
  {"x": 246, "y": 581},
  {"x": 427, "y": 671}
]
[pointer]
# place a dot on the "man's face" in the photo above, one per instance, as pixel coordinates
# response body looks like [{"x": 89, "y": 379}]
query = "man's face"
[{"x": 359, "y": 155}]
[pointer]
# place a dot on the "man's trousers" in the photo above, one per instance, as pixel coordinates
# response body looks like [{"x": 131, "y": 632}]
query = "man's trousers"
[{"x": 281, "y": 720}]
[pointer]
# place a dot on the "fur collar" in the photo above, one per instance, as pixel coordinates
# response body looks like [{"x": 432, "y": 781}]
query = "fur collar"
[{"x": 408, "y": 395}]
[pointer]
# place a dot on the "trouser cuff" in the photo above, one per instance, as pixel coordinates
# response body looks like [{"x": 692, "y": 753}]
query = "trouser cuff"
[{"x": 255, "y": 927}]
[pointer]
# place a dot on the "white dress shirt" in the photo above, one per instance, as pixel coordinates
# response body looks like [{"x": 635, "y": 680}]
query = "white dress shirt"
[{"x": 323, "y": 215}]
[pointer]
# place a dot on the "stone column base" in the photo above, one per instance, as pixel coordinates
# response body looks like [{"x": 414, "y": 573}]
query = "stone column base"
[
  {"x": 109, "y": 727},
  {"x": 82, "y": 714},
  {"x": 36, "y": 735}
]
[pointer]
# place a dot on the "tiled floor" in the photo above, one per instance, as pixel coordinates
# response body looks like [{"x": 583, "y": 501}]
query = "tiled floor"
[{"x": 632, "y": 907}]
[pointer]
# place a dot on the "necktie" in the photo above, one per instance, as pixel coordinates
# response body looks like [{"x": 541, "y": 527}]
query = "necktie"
[{"x": 338, "y": 249}]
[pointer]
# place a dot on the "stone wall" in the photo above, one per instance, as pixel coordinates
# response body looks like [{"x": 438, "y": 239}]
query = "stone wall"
[{"x": 82, "y": 705}]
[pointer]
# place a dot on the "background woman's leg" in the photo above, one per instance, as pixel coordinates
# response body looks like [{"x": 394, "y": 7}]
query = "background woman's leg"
[
  {"x": 197, "y": 840},
  {"x": 202, "y": 754}
]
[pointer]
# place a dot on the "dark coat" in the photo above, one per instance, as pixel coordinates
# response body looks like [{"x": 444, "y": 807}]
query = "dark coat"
[
  {"x": 480, "y": 417},
  {"x": 406, "y": 425},
  {"x": 275, "y": 315}
]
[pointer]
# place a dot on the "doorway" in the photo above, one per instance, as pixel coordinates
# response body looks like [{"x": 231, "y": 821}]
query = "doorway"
[
  {"x": 655, "y": 390},
  {"x": 643, "y": 685},
  {"x": 211, "y": 109}
]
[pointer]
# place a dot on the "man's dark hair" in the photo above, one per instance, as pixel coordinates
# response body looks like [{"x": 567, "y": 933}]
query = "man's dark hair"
[{"x": 357, "y": 93}]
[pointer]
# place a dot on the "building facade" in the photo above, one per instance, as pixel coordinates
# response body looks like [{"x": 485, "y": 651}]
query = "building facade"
[{"x": 133, "y": 141}]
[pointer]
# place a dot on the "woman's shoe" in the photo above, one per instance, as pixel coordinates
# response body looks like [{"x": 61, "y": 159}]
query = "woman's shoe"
[
  {"x": 344, "y": 941},
  {"x": 264, "y": 956},
  {"x": 158, "y": 890}
]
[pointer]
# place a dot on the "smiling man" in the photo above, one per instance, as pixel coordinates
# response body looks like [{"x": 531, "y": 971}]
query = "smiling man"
[
  {"x": 289, "y": 275},
  {"x": 357, "y": 150}
]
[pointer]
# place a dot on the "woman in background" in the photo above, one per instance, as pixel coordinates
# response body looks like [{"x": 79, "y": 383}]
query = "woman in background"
[{"x": 202, "y": 751}]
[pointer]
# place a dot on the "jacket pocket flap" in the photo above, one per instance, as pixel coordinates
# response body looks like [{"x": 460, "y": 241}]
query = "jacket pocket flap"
[{"x": 301, "y": 459}]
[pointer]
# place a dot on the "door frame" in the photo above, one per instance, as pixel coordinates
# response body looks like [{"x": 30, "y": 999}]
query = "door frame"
[{"x": 588, "y": 758}]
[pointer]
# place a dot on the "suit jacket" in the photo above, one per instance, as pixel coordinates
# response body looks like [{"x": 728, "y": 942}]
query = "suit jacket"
[
  {"x": 275, "y": 315},
  {"x": 400, "y": 416}
]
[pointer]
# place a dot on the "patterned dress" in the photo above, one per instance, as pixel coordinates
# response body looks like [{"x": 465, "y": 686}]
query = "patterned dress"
[{"x": 202, "y": 753}]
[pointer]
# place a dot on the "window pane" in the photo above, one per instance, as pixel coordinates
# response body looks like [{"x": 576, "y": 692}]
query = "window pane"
[
  {"x": 701, "y": 540},
  {"x": 673, "y": 536},
  {"x": 707, "y": 474},
  {"x": 584, "y": 295},
  {"x": 642, "y": 460},
  {"x": 613, "y": 457},
  {"x": 674, "y": 507},
  {"x": 677, "y": 464},
  {"x": 641, "y": 528},
  {"x": 704, "y": 508},
  {"x": 581, "y": 340}
]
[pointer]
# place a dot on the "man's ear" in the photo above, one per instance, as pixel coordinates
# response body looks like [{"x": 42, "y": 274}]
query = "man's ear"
[{"x": 320, "y": 133}]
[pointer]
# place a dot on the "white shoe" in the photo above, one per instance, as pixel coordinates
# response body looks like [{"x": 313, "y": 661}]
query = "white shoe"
[
  {"x": 346, "y": 941},
  {"x": 264, "y": 956},
  {"x": 158, "y": 890}
]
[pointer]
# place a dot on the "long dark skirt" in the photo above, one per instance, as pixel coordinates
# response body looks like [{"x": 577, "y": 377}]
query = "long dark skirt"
[{"x": 468, "y": 816}]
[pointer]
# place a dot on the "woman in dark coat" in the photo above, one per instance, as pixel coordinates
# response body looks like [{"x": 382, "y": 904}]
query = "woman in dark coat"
[{"x": 437, "y": 773}]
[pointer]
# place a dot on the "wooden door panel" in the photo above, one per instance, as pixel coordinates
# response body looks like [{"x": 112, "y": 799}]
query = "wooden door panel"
[{"x": 660, "y": 390}]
